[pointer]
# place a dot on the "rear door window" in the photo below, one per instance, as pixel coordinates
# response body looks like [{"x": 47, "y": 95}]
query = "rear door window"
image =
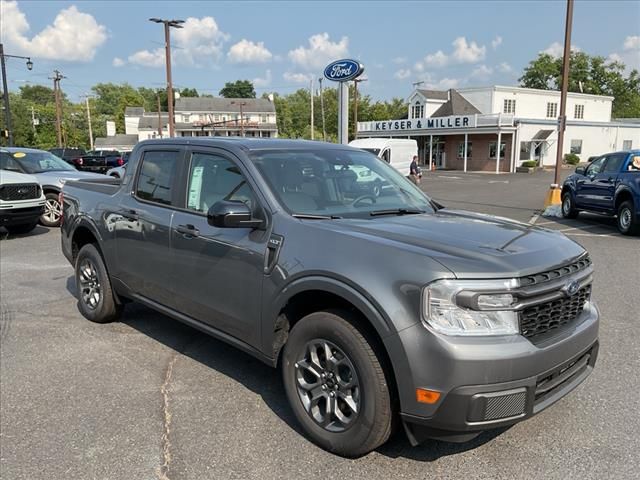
[
  {"x": 614, "y": 163},
  {"x": 157, "y": 176}
]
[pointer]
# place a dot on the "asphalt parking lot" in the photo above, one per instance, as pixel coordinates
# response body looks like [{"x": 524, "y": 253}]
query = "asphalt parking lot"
[{"x": 150, "y": 398}]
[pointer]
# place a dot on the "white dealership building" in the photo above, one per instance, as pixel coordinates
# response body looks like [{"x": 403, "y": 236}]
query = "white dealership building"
[{"x": 460, "y": 129}]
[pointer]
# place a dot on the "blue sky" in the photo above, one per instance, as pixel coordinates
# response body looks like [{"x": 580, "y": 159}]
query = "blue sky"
[{"x": 281, "y": 45}]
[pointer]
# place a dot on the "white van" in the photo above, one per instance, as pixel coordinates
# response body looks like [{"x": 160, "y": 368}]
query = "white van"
[{"x": 398, "y": 152}]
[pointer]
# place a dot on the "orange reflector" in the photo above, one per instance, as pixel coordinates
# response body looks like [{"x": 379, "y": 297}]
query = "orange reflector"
[{"x": 427, "y": 396}]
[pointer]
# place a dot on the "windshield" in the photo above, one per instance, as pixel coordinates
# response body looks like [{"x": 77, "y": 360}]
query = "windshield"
[
  {"x": 338, "y": 183},
  {"x": 33, "y": 162}
]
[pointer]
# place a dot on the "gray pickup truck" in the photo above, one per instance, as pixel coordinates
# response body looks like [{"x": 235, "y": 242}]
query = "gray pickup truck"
[{"x": 382, "y": 308}]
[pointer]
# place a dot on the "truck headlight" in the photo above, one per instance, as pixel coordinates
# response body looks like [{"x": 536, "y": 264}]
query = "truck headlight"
[{"x": 470, "y": 307}]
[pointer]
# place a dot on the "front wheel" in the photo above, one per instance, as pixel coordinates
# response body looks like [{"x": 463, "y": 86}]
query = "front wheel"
[
  {"x": 96, "y": 299},
  {"x": 568, "y": 208},
  {"x": 52, "y": 211},
  {"x": 336, "y": 385},
  {"x": 627, "y": 221}
]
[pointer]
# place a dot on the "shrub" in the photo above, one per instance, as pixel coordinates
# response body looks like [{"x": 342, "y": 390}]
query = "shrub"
[
  {"x": 530, "y": 163},
  {"x": 571, "y": 159}
]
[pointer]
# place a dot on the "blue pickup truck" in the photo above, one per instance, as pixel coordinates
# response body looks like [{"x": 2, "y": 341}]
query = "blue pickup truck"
[{"x": 610, "y": 185}]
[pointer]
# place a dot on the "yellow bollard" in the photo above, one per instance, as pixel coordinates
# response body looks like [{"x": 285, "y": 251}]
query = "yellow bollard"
[{"x": 553, "y": 196}]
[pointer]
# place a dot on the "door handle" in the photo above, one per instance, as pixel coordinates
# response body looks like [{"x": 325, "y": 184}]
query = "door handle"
[
  {"x": 131, "y": 215},
  {"x": 188, "y": 230}
]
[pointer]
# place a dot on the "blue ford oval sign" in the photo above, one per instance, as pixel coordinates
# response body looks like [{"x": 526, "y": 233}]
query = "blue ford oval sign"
[{"x": 343, "y": 70}]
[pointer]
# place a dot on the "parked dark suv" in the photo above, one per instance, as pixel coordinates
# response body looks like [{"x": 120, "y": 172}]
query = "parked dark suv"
[
  {"x": 68, "y": 154},
  {"x": 377, "y": 306}
]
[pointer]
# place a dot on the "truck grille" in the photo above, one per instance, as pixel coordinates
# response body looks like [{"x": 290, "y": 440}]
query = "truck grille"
[
  {"x": 20, "y": 191},
  {"x": 556, "y": 273},
  {"x": 542, "y": 318}
]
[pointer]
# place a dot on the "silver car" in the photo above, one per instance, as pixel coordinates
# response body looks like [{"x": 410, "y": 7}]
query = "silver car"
[{"x": 50, "y": 171}]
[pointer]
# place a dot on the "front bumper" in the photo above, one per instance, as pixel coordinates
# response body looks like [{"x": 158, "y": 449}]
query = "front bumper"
[
  {"x": 18, "y": 216},
  {"x": 490, "y": 382}
]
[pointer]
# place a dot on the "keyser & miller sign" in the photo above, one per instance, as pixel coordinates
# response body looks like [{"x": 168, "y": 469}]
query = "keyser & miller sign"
[
  {"x": 343, "y": 70},
  {"x": 454, "y": 121}
]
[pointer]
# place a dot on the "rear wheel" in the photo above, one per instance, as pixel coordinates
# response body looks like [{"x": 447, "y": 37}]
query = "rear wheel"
[
  {"x": 96, "y": 300},
  {"x": 336, "y": 385},
  {"x": 21, "y": 228},
  {"x": 568, "y": 207},
  {"x": 52, "y": 211},
  {"x": 627, "y": 222}
]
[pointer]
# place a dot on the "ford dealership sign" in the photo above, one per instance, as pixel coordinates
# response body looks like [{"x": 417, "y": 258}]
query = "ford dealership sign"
[{"x": 343, "y": 70}]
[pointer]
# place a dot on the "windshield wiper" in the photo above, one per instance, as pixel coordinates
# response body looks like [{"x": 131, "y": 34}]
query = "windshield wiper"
[
  {"x": 314, "y": 217},
  {"x": 396, "y": 211}
]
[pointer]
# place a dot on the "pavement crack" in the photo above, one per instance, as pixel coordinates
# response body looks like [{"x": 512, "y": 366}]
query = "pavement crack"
[{"x": 163, "y": 470}]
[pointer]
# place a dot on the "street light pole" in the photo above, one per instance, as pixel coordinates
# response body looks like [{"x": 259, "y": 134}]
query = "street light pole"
[
  {"x": 355, "y": 106},
  {"x": 324, "y": 131},
  {"x": 5, "y": 91},
  {"x": 89, "y": 122},
  {"x": 167, "y": 51}
]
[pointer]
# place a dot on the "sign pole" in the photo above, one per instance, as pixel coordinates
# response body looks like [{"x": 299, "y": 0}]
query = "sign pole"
[{"x": 343, "y": 114}]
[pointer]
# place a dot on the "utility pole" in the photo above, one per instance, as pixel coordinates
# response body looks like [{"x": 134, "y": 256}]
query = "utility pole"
[
  {"x": 565, "y": 87},
  {"x": 311, "y": 97},
  {"x": 241, "y": 104},
  {"x": 167, "y": 52},
  {"x": 89, "y": 122},
  {"x": 553, "y": 196},
  {"x": 5, "y": 91},
  {"x": 355, "y": 106},
  {"x": 56, "y": 92},
  {"x": 324, "y": 131},
  {"x": 159, "y": 116}
]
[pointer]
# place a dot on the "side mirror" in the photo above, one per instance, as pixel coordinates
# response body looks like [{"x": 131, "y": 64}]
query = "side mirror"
[
  {"x": 230, "y": 214},
  {"x": 580, "y": 169}
]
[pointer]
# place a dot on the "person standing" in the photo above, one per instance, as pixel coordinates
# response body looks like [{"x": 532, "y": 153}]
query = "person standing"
[{"x": 415, "y": 173}]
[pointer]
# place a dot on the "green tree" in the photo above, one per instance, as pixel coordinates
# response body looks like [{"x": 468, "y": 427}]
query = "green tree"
[
  {"x": 190, "y": 92},
  {"x": 588, "y": 74},
  {"x": 38, "y": 94},
  {"x": 238, "y": 89}
]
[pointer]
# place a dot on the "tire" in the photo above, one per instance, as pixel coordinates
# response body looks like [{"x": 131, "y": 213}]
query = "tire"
[
  {"x": 627, "y": 223},
  {"x": 21, "y": 228},
  {"x": 568, "y": 207},
  {"x": 96, "y": 300},
  {"x": 52, "y": 211},
  {"x": 358, "y": 377}
]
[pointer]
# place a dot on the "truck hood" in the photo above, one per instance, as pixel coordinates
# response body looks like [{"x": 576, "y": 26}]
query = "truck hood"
[
  {"x": 8, "y": 177},
  {"x": 471, "y": 245},
  {"x": 54, "y": 177}
]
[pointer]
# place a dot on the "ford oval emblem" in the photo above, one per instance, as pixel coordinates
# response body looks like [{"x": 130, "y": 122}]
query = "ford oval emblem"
[
  {"x": 343, "y": 70},
  {"x": 572, "y": 288}
]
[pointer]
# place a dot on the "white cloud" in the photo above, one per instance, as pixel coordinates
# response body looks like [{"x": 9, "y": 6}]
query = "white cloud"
[
  {"x": 402, "y": 74},
  {"x": 630, "y": 54},
  {"x": 632, "y": 42},
  {"x": 438, "y": 59},
  {"x": 418, "y": 66},
  {"x": 556, "y": 49},
  {"x": 296, "y": 77},
  {"x": 463, "y": 52},
  {"x": 248, "y": 52},
  {"x": 443, "y": 84},
  {"x": 400, "y": 60},
  {"x": 496, "y": 42},
  {"x": 73, "y": 36},
  {"x": 504, "y": 67},
  {"x": 199, "y": 42},
  {"x": 468, "y": 52},
  {"x": 265, "y": 81},
  {"x": 118, "y": 62},
  {"x": 321, "y": 51},
  {"x": 482, "y": 72},
  {"x": 146, "y": 58}
]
